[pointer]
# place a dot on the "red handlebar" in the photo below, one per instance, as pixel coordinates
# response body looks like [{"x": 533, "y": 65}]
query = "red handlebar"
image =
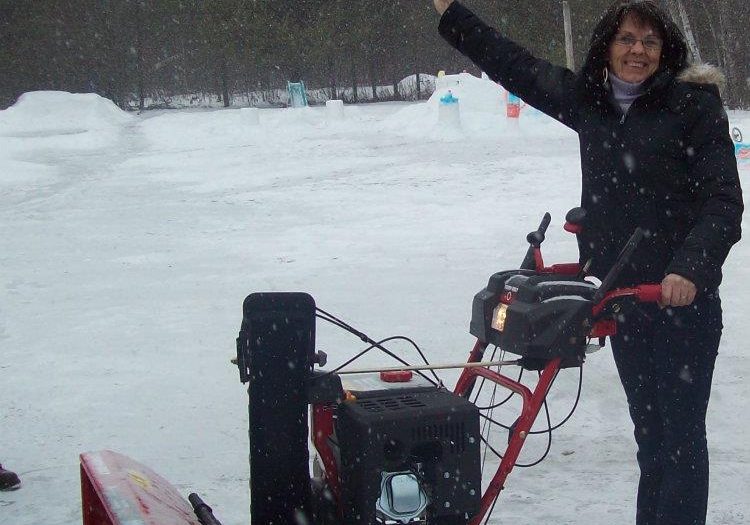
[
  {"x": 648, "y": 293},
  {"x": 607, "y": 327},
  {"x": 644, "y": 293}
]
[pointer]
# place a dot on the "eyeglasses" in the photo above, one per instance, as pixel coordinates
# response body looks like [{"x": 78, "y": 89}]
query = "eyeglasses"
[{"x": 650, "y": 42}]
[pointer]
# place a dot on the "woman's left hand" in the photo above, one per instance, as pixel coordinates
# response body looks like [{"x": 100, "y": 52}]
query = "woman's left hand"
[{"x": 677, "y": 291}]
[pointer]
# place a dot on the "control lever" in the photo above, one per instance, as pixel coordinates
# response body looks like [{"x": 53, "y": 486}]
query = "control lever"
[
  {"x": 622, "y": 259},
  {"x": 535, "y": 240}
]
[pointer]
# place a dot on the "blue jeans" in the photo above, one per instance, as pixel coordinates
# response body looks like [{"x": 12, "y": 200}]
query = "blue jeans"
[{"x": 665, "y": 359}]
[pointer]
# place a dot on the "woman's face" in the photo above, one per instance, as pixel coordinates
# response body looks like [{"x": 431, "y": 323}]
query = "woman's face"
[{"x": 634, "y": 51}]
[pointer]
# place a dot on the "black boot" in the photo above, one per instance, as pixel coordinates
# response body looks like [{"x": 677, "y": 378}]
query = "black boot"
[{"x": 8, "y": 480}]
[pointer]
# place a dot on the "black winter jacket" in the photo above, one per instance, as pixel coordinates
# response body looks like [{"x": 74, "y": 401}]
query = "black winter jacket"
[{"x": 667, "y": 165}]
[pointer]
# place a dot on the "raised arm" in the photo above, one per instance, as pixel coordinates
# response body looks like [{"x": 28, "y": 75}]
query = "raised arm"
[{"x": 548, "y": 88}]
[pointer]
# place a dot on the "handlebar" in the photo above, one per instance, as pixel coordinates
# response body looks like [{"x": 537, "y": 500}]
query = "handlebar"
[
  {"x": 648, "y": 293},
  {"x": 644, "y": 293}
]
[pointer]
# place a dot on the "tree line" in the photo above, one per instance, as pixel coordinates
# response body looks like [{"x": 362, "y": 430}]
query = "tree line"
[{"x": 140, "y": 52}]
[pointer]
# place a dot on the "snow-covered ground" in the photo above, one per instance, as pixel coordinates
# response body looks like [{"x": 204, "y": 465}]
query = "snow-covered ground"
[{"x": 130, "y": 241}]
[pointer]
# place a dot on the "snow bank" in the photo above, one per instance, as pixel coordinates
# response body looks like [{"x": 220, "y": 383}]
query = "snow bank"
[
  {"x": 40, "y": 113},
  {"x": 41, "y": 125},
  {"x": 474, "y": 94},
  {"x": 482, "y": 107}
]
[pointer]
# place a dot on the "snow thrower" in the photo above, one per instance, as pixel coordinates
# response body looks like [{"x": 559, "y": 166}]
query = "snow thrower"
[{"x": 390, "y": 445}]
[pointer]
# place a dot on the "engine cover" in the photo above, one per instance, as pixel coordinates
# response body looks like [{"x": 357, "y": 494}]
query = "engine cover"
[{"x": 429, "y": 432}]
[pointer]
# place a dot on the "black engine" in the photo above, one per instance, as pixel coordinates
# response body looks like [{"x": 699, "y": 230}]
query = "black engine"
[{"x": 407, "y": 453}]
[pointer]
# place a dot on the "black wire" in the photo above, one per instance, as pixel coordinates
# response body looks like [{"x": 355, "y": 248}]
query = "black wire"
[
  {"x": 522, "y": 465},
  {"x": 374, "y": 344},
  {"x": 501, "y": 403},
  {"x": 492, "y": 508},
  {"x": 547, "y": 431},
  {"x": 487, "y": 444},
  {"x": 363, "y": 352},
  {"x": 488, "y": 418},
  {"x": 556, "y": 426},
  {"x": 341, "y": 324},
  {"x": 481, "y": 383},
  {"x": 572, "y": 410},
  {"x": 378, "y": 345},
  {"x": 549, "y": 441},
  {"x": 485, "y": 426}
]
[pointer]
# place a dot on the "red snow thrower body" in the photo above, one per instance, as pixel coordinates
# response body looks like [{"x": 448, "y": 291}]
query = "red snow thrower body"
[{"x": 392, "y": 447}]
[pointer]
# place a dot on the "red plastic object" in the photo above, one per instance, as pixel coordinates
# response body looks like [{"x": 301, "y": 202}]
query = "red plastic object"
[
  {"x": 396, "y": 376},
  {"x": 116, "y": 490}
]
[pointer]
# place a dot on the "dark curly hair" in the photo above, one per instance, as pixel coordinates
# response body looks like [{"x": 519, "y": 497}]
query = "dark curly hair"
[{"x": 674, "y": 53}]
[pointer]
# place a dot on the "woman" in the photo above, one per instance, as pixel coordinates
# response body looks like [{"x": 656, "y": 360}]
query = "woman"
[{"x": 655, "y": 153}]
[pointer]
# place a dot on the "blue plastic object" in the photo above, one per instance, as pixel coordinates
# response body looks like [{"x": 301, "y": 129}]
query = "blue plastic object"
[
  {"x": 513, "y": 99},
  {"x": 448, "y": 98}
]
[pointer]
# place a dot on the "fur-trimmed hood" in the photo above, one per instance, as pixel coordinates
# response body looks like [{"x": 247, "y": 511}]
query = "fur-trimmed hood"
[
  {"x": 674, "y": 55},
  {"x": 703, "y": 74}
]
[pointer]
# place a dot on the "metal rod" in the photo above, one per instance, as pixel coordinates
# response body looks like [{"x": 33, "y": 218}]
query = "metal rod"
[
  {"x": 429, "y": 367},
  {"x": 568, "y": 36}
]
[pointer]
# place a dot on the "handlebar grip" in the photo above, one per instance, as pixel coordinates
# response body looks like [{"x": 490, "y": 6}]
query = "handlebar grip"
[
  {"x": 535, "y": 239},
  {"x": 648, "y": 293},
  {"x": 546, "y": 219}
]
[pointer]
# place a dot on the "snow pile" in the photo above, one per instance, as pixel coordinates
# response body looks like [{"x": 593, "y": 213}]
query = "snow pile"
[
  {"x": 50, "y": 123},
  {"x": 482, "y": 109},
  {"x": 474, "y": 94},
  {"x": 45, "y": 113}
]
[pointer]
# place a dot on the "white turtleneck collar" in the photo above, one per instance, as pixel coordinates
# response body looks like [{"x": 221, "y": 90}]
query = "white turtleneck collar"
[{"x": 624, "y": 93}]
